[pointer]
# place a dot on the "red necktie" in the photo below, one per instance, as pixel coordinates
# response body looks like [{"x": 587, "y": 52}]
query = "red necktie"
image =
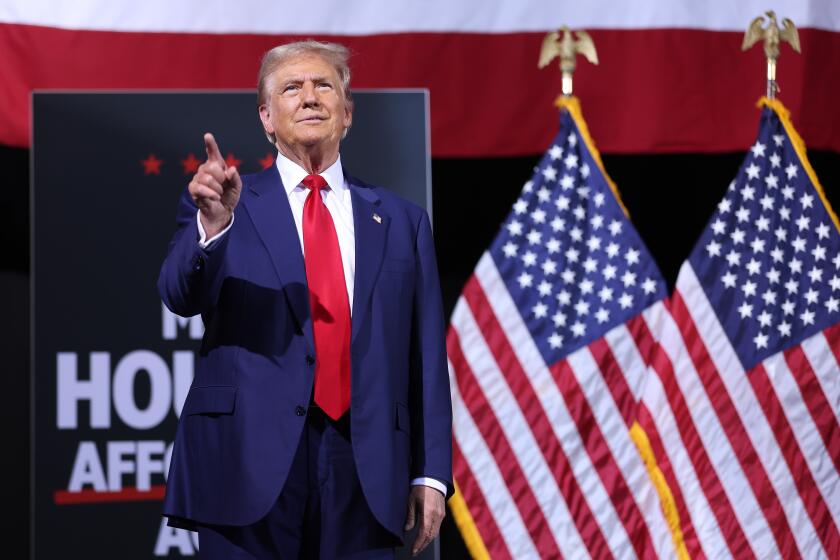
[{"x": 328, "y": 302}]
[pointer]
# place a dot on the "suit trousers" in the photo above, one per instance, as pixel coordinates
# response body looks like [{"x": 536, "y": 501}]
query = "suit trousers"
[{"x": 321, "y": 512}]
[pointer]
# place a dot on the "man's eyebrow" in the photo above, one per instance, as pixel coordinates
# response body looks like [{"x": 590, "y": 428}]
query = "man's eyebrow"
[{"x": 299, "y": 79}]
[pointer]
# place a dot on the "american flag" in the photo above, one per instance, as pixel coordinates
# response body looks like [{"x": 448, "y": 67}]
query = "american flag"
[
  {"x": 742, "y": 404},
  {"x": 547, "y": 361}
]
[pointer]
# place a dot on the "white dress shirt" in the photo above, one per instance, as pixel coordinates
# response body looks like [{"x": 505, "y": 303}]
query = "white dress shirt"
[
  {"x": 339, "y": 203},
  {"x": 336, "y": 198}
]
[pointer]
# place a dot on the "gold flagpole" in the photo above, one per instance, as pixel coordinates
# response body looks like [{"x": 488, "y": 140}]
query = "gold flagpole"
[
  {"x": 567, "y": 48},
  {"x": 772, "y": 36}
]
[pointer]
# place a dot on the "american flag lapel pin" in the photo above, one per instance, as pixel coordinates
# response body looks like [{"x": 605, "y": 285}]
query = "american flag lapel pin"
[{"x": 377, "y": 218}]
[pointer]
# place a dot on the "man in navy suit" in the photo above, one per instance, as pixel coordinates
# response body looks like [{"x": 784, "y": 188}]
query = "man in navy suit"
[{"x": 318, "y": 424}]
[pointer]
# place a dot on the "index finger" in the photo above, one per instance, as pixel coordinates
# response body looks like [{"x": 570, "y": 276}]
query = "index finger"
[
  {"x": 419, "y": 543},
  {"x": 423, "y": 539},
  {"x": 212, "y": 148}
]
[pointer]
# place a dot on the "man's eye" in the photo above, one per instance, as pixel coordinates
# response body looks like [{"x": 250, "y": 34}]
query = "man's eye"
[{"x": 290, "y": 87}]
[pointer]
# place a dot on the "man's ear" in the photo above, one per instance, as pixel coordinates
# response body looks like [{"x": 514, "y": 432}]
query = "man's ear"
[
  {"x": 348, "y": 115},
  {"x": 265, "y": 117}
]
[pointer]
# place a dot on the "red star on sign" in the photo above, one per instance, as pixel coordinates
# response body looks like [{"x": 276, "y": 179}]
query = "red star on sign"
[
  {"x": 231, "y": 160},
  {"x": 151, "y": 165},
  {"x": 267, "y": 161},
  {"x": 190, "y": 164}
]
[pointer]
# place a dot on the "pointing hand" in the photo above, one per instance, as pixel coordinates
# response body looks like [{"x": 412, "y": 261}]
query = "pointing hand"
[{"x": 215, "y": 189}]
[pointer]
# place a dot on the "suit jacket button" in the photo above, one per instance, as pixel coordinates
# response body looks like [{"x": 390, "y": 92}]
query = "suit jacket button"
[
  {"x": 300, "y": 411},
  {"x": 310, "y": 360}
]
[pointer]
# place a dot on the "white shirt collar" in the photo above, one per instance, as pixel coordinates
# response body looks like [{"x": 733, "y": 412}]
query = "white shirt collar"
[{"x": 292, "y": 174}]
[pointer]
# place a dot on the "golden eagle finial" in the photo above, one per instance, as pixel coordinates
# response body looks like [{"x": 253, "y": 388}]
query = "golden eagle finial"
[
  {"x": 772, "y": 36},
  {"x": 567, "y": 48}
]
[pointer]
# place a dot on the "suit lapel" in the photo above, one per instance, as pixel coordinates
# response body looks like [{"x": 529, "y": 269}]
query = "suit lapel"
[
  {"x": 267, "y": 204},
  {"x": 370, "y": 224}
]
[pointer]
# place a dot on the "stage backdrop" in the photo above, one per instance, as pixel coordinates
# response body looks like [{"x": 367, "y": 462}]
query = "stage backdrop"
[
  {"x": 671, "y": 75},
  {"x": 111, "y": 365}
]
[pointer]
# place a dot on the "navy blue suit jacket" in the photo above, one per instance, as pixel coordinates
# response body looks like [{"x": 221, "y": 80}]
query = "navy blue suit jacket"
[{"x": 244, "y": 413}]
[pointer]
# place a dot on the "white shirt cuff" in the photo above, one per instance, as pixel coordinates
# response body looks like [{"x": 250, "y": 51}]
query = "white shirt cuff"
[
  {"x": 203, "y": 242},
  {"x": 431, "y": 483}
]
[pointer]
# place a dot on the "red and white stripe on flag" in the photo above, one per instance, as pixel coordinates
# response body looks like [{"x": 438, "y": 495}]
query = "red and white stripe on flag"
[
  {"x": 670, "y": 77},
  {"x": 742, "y": 404},
  {"x": 547, "y": 359}
]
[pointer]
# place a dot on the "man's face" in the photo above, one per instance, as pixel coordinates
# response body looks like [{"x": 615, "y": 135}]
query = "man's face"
[{"x": 306, "y": 107}]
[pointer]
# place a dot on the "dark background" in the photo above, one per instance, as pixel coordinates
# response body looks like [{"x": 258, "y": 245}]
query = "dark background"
[{"x": 669, "y": 197}]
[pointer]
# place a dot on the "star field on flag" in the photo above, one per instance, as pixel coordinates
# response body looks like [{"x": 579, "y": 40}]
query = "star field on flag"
[
  {"x": 569, "y": 256},
  {"x": 769, "y": 260}
]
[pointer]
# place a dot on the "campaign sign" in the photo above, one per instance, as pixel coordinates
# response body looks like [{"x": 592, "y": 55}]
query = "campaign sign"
[{"x": 111, "y": 365}]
